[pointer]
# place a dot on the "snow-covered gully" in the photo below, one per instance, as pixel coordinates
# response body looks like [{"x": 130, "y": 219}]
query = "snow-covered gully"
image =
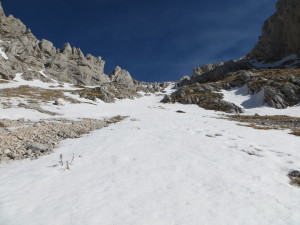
[{"x": 157, "y": 167}]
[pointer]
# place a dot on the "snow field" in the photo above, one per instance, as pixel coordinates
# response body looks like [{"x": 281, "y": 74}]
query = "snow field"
[{"x": 166, "y": 168}]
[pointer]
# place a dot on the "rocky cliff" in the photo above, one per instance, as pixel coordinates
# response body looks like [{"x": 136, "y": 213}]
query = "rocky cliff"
[
  {"x": 280, "y": 34},
  {"x": 21, "y": 52},
  {"x": 25, "y": 54},
  {"x": 215, "y": 72},
  {"x": 278, "y": 82}
]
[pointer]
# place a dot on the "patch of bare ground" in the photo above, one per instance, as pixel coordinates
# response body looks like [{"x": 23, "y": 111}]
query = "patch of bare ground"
[
  {"x": 21, "y": 139},
  {"x": 4, "y": 81},
  {"x": 264, "y": 74},
  {"x": 268, "y": 122},
  {"x": 296, "y": 132},
  {"x": 255, "y": 126},
  {"x": 36, "y": 94}
]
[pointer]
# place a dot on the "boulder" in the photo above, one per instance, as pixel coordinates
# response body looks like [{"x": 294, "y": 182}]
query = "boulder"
[
  {"x": 294, "y": 176},
  {"x": 59, "y": 101},
  {"x": 274, "y": 98},
  {"x": 121, "y": 76},
  {"x": 39, "y": 148},
  {"x": 46, "y": 46}
]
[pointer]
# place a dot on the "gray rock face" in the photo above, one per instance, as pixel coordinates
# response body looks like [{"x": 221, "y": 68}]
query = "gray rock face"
[
  {"x": 11, "y": 27},
  {"x": 28, "y": 56},
  {"x": 294, "y": 176},
  {"x": 67, "y": 64},
  {"x": 2, "y": 14},
  {"x": 204, "y": 96},
  {"x": 215, "y": 72},
  {"x": 206, "y": 68},
  {"x": 274, "y": 98},
  {"x": 47, "y": 47},
  {"x": 282, "y": 96},
  {"x": 280, "y": 34},
  {"x": 121, "y": 76},
  {"x": 280, "y": 86}
]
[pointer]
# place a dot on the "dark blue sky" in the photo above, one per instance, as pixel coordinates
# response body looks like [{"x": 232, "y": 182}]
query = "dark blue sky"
[{"x": 155, "y": 40}]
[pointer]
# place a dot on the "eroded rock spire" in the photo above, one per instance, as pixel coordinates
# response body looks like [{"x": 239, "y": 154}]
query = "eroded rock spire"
[{"x": 2, "y": 14}]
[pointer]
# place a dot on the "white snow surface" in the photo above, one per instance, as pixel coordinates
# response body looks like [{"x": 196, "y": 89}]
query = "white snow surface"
[
  {"x": 165, "y": 168},
  {"x": 2, "y": 53}
]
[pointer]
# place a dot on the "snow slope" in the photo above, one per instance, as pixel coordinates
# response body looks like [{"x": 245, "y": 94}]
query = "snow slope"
[{"x": 163, "y": 168}]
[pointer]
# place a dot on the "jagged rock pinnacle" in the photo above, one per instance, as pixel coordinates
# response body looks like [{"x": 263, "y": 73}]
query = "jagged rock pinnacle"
[{"x": 2, "y": 14}]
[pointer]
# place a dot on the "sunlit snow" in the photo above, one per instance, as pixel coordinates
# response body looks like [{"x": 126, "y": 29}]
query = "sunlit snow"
[
  {"x": 157, "y": 167},
  {"x": 2, "y": 53}
]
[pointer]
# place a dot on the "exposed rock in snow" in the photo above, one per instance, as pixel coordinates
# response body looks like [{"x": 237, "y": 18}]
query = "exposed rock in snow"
[
  {"x": 204, "y": 96},
  {"x": 295, "y": 177},
  {"x": 278, "y": 88},
  {"x": 121, "y": 76},
  {"x": 33, "y": 139},
  {"x": 59, "y": 101},
  {"x": 215, "y": 72}
]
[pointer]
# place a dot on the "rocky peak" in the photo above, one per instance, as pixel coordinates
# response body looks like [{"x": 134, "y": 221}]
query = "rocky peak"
[
  {"x": 67, "y": 49},
  {"x": 37, "y": 59},
  {"x": 117, "y": 70},
  {"x": 121, "y": 76},
  {"x": 25, "y": 51},
  {"x": 206, "y": 68},
  {"x": 214, "y": 72},
  {"x": 47, "y": 47},
  {"x": 280, "y": 34},
  {"x": 2, "y": 14}
]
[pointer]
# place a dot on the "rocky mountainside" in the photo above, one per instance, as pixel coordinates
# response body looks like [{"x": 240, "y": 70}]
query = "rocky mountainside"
[
  {"x": 28, "y": 55},
  {"x": 22, "y": 52},
  {"x": 271, "y": 68},
  {"x": 281, "y": 34}
]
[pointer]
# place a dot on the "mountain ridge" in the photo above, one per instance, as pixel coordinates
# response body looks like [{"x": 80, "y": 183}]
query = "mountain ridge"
[
  {"x": 271, "y": 68},
  {"x": 34, "y": 58},
  {"x": 37, "y": 59}
]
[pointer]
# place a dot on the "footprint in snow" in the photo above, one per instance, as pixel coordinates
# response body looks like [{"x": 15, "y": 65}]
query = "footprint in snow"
[{"x": 213, "y": 135}]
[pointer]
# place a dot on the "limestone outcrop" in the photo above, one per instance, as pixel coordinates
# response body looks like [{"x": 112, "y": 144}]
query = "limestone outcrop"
[
  {"x": 278, "y": 84},
  {"x": 280, "y": 34},
  {"x": 24, "y": 53},
  {"x": 215, "y": 72}
]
